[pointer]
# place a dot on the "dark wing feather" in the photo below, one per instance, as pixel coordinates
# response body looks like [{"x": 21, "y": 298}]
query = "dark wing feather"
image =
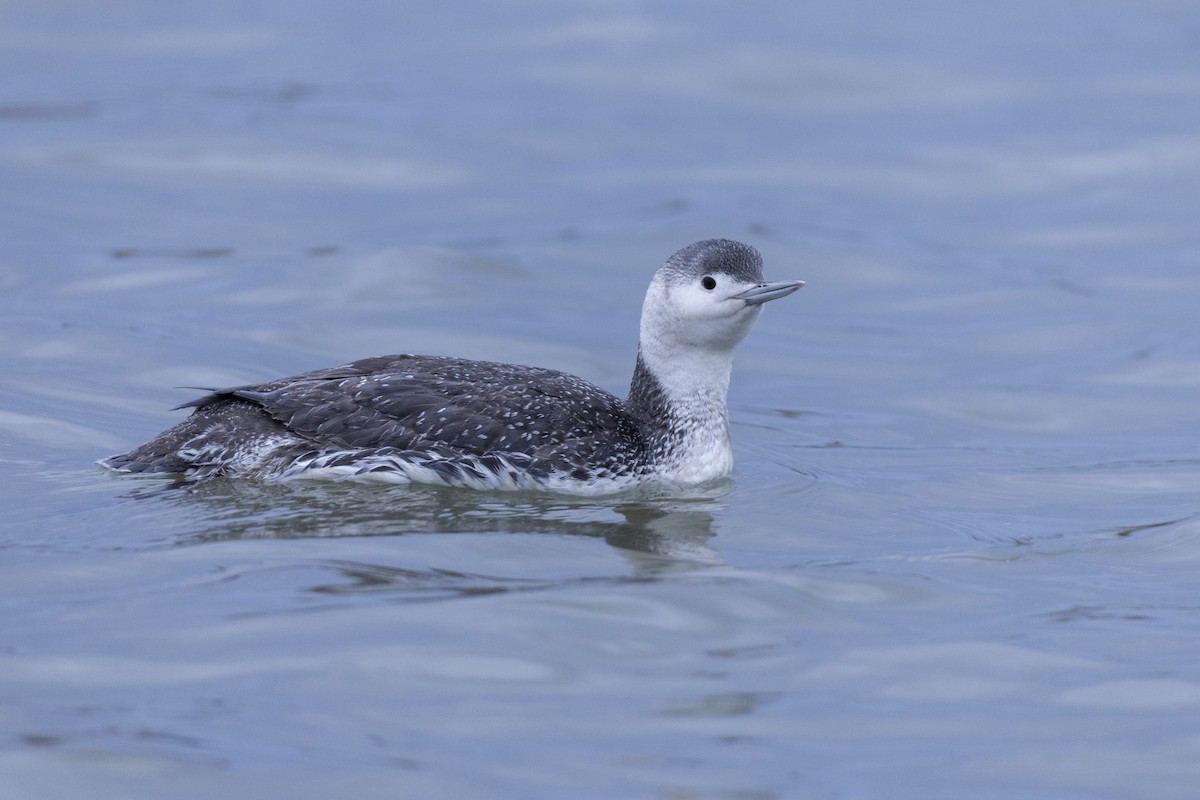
[{"x": 430, "y": 403}]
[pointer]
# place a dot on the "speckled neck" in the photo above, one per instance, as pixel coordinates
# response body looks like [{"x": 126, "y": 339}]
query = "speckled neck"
[
  {"x": 647, "y": 402},
  {"x": 686, "y": 430}
]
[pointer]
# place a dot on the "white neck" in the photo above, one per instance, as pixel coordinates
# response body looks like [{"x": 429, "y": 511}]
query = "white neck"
[
  {"x": 696, "y": 385},
  {"x": 690, "y": 377}
]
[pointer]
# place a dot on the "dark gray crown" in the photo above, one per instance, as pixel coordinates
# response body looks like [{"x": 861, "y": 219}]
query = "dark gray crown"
[{"x": 714, "y": 257}]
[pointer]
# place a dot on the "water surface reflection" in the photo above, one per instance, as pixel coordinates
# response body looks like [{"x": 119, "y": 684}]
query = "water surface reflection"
[{"x": 652, "y": 529}]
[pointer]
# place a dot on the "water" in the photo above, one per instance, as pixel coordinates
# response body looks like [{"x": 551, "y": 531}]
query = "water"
[{"x": 958, "y": 558}]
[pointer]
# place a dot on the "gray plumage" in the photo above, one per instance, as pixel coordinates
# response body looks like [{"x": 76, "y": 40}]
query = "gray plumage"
[{"x": 430, "y": 419}]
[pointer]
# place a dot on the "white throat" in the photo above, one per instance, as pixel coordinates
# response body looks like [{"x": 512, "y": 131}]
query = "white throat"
[
  {"x": 695, "y": 382},
  {"x": 691, "y": 357}
]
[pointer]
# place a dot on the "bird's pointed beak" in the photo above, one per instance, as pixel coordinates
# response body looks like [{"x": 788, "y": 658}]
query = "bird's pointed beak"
[{"x": 757, "y": 295}]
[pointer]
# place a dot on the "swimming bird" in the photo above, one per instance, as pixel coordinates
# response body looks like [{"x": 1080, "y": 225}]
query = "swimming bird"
[{"x": 486, "y": 425}]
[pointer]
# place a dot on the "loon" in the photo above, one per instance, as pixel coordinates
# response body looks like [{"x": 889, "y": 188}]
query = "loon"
[{"x": 486, "y": 425}]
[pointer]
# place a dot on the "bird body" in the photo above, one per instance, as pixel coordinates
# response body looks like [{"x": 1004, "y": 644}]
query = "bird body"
[{"x": 487, "y": 425}]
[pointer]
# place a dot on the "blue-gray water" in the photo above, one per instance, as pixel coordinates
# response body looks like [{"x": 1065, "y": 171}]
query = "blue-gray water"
[{"x": 958, "y": 559}]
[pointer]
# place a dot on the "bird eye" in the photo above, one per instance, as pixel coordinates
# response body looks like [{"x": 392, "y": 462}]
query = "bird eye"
[{"x": 708, "y": 282}]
